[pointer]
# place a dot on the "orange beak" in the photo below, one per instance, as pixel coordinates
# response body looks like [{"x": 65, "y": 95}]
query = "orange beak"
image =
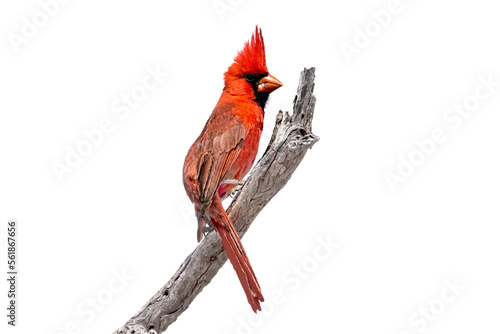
[{"x": 268, "y": 84}]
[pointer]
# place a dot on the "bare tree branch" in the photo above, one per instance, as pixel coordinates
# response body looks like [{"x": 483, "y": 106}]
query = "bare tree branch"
[{"x": 291, "y": 138}]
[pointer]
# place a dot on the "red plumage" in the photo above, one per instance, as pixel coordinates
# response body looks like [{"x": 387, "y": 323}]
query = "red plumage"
[
  {"x": 251, "y": 59},
  {"x": 225, "y": 152}
]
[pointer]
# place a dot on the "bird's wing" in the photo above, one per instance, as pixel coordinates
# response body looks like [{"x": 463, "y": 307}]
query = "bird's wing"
[{"x": 220, "y": 149}]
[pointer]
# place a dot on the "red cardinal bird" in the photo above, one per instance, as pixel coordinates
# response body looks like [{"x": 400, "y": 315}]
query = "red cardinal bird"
[{"x": 225, "y": 151}]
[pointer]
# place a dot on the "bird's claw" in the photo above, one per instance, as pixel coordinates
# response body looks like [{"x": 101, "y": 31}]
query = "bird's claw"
[
  {"x": 236, "y": 190},
  {"x": 204, "y": 227},
  {"x": 207, "y": 229}
]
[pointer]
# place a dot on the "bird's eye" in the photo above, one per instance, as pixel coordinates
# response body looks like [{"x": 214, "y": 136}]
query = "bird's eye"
[{"x": 250, "y": 77}]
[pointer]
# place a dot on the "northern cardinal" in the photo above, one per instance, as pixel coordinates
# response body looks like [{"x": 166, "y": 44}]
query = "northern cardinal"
[{"x": 225, "y": 151}]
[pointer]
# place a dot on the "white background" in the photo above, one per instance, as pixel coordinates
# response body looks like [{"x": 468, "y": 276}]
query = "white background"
[{"x": 124, "y": 207}]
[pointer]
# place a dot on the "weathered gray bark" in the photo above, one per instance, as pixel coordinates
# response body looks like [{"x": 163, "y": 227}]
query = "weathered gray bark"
[{"x": 291, "y": 138}]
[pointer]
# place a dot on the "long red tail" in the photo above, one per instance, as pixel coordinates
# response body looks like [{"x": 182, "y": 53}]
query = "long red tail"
[{"x": 236, "y": 253}]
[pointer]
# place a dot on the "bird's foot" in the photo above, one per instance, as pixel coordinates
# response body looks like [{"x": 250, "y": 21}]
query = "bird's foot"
[
  {"x": 232, "y": 181},
  {"x": 204, "y": 227},
  {"x": 207, "y": 229},
  {"x": 237, "y": 189}
]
